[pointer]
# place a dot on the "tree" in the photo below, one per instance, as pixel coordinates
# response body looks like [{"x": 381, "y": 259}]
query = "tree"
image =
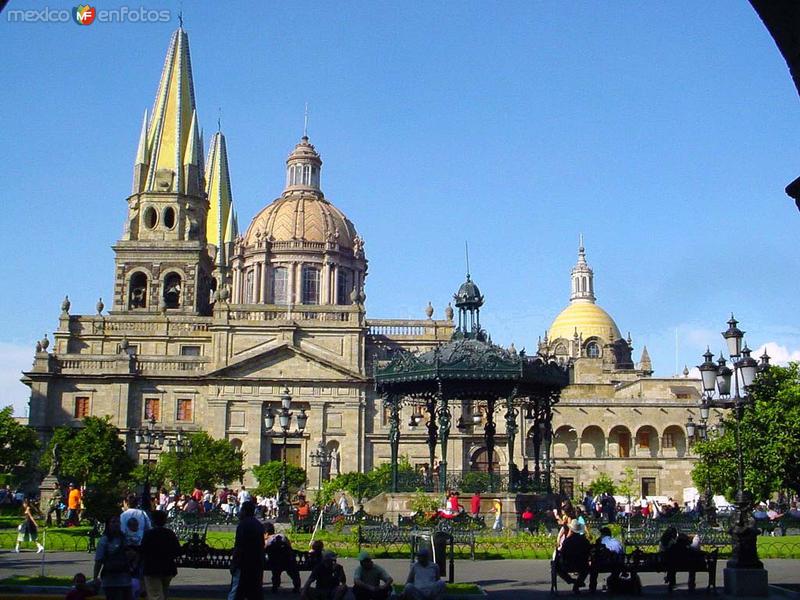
[
  {"x": 269, "y": 477},
  {"x": 770, "y": 437},
  {"x": 203, "y": 461},
  {"x": 366, "y": 485},
  {"x": 95, "y": 456},
  {"x": 627, "y": 485},
  {"x": 602, "y": 484},
  {"x": 18, "y": 443}
]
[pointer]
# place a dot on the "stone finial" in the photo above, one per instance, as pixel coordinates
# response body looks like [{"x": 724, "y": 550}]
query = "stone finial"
[
  {"x": 512, "y": 349},
  {"x": 65, "y": 305},
  {"x": 448, "y": 312},
  {"x": 45, "y": 343},
  {"x": 685, "y": 371},
  {"x": 429, "y": 310},
  {"x": 224, "y": 293},
  {"x": 124, "y": 344},
  {"x": 100, "y": 306},
  {"x": 38, "y": 346}
]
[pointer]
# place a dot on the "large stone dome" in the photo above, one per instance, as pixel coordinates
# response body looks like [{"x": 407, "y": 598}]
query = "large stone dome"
[
  {"x": 588, "y": 319},
  {"x": 304, "y": 217}
]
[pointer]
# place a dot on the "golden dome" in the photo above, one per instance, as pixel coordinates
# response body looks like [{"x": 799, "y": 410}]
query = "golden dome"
[
  {"x": 589, "y": 320},
  {"x": 305, "y": 217}
]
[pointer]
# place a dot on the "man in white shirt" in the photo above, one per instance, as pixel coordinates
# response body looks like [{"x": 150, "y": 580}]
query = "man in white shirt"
[
  {"x": 133, "y": 521},
  {"x": 244, "y": 495}
]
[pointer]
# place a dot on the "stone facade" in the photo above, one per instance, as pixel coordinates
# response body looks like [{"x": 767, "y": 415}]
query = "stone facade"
[{"x": 208, "y": 327}]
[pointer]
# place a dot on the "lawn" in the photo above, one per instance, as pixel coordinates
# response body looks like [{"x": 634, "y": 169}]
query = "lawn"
[{"x": 36, "y": 580}]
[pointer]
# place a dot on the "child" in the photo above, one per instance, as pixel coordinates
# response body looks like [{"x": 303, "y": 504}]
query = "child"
[{"x": 80, "y": 590}]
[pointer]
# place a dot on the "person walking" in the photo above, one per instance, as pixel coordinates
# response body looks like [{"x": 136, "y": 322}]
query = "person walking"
[
  {"x": 28, "y": 529},
  {"x": 73, "y": 506},
  {"x": 112, "y": 563},
  {"x": 160, "y": 548},
  {"x": 475, "y": 504},
  {"x": 497, "y": 509},
  {"x": 247, "y": 565}
]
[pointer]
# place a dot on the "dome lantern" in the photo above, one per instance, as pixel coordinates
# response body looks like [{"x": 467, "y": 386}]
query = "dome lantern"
[
  {"x": 303, "y": 167},
  {"x": 468, "y": 302}
]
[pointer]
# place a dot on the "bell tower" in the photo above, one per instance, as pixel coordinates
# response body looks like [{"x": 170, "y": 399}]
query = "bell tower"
[{"x": 162, "y": 263}]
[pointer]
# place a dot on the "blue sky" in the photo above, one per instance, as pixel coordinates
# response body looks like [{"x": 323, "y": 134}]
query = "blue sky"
[{"x": 664, "y": 132}]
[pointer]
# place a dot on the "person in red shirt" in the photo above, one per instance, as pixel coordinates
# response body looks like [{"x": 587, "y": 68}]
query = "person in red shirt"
[
  {"x": 527, "y": 518},
  {"x": 475, "y": 504}
]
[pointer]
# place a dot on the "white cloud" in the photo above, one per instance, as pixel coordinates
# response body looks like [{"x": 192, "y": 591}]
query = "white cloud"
[
  {"x": 778, "y": 355},
  {"x": 14, "y": 358}
]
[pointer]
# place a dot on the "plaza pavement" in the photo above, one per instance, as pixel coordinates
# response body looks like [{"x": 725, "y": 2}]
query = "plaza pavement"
[{"x": 502, "y": 579}]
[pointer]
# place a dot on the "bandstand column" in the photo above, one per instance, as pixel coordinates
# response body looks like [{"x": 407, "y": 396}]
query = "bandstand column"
[
  {"x": 444, "y": 434},
  {"x": 394, "y": 435},
  {"x": 488, "y": 435},
  {"x": 511, "y": 433},
  {"x": 432, "y": 433}
]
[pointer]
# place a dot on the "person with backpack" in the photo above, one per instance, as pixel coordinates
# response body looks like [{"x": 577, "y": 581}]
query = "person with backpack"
[
  {"x": 112, "y": 562},
  {"x": 281, "y": 558},
  {"x": 160, "y": 548}
]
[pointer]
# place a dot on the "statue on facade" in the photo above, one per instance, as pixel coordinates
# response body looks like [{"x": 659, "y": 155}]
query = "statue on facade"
[
  {"x": 335, "y": 462},
  {"x": 55, "y": 463}
]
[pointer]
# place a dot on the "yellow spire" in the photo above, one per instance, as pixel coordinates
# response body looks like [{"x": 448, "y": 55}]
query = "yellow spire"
[
  {"x": 172, "y": 131},
  {"x": 220, "y": 198}
]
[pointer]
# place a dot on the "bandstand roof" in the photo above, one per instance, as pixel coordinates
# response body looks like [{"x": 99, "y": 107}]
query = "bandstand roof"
[{"x": 468, "y": 368}]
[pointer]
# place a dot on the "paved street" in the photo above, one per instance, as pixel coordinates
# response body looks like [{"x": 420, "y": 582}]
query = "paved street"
[{"x": 503, "y": 579}]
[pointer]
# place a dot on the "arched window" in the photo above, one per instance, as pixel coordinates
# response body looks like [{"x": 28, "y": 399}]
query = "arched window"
[
  {"x": 137, "y": 294},
  {"x": 344, "y": 286},
  {"x": 593, "y": 350},
  {"x": 307, "y": 175},
  {"x": 172, "y": 290},
  {"x": 310, "y": 285},
  {"x": 561, "y": 350},
  {"x": 280, "y": 286}
]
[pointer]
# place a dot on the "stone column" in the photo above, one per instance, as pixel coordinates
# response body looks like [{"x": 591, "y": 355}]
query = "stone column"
[{"x": 252, "y": 442}]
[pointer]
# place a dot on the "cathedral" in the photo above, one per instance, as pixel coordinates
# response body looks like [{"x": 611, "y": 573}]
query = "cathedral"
[{"x": 209, "y": 327}]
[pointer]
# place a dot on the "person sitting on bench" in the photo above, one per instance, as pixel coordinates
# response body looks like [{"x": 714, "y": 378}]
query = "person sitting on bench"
[
  {"x": 574, "y": 556},
  {"x": 609, "y": 555}
]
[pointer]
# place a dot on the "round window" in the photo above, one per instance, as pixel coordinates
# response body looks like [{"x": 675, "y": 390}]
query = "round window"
[
  {"x": 150, "y": 217},
  {"x": 169, "y": 217}
]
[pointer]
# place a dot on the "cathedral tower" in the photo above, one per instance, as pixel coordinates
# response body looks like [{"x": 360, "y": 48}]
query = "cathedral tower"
[{"x": 161, "y": 261}]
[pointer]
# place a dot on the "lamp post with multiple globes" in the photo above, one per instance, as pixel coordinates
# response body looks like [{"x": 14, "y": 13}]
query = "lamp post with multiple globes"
[
  {"x": 744, "y": 574},
  {"x": 285, "y": 421},
  {"x": 151, "y": 439}
]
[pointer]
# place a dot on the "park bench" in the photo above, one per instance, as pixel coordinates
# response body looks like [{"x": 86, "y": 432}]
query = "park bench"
[
  {"x": 645, "y": 562},
  {"x": 196, "y": 554},
  {"x": 782, "y": 524},
  {"x": 189, "y": 532},
  {"x": 461, "y": 521},
  {"x": 390, "y": 536},
  {"x": 651, "y": 535}
]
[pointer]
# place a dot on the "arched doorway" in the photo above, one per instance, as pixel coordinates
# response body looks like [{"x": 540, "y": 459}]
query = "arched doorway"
[{"x": 480, "y": 461}]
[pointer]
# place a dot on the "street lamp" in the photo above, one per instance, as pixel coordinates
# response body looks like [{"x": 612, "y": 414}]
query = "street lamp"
[
  {"x": 285, "y": 421},
  {"x": 717, "y": 379},
  {"x": 179, "y": 445},
  {"x": 321, "y": 457},
  {"x": 151, "y": 439}
]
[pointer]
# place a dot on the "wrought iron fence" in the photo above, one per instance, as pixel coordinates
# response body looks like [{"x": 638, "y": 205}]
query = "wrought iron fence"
[{"x": 474, "y": 481}]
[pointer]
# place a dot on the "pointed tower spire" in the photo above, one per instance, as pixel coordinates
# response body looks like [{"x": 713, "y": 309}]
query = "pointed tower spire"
[
  {"x": 220, "y": 197},
  {"x": 644, "y": 362},
  {"x": 170, "y": 127},
  {"x": 582, "y": 278},
  {"x": 140, "y": 164}
]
